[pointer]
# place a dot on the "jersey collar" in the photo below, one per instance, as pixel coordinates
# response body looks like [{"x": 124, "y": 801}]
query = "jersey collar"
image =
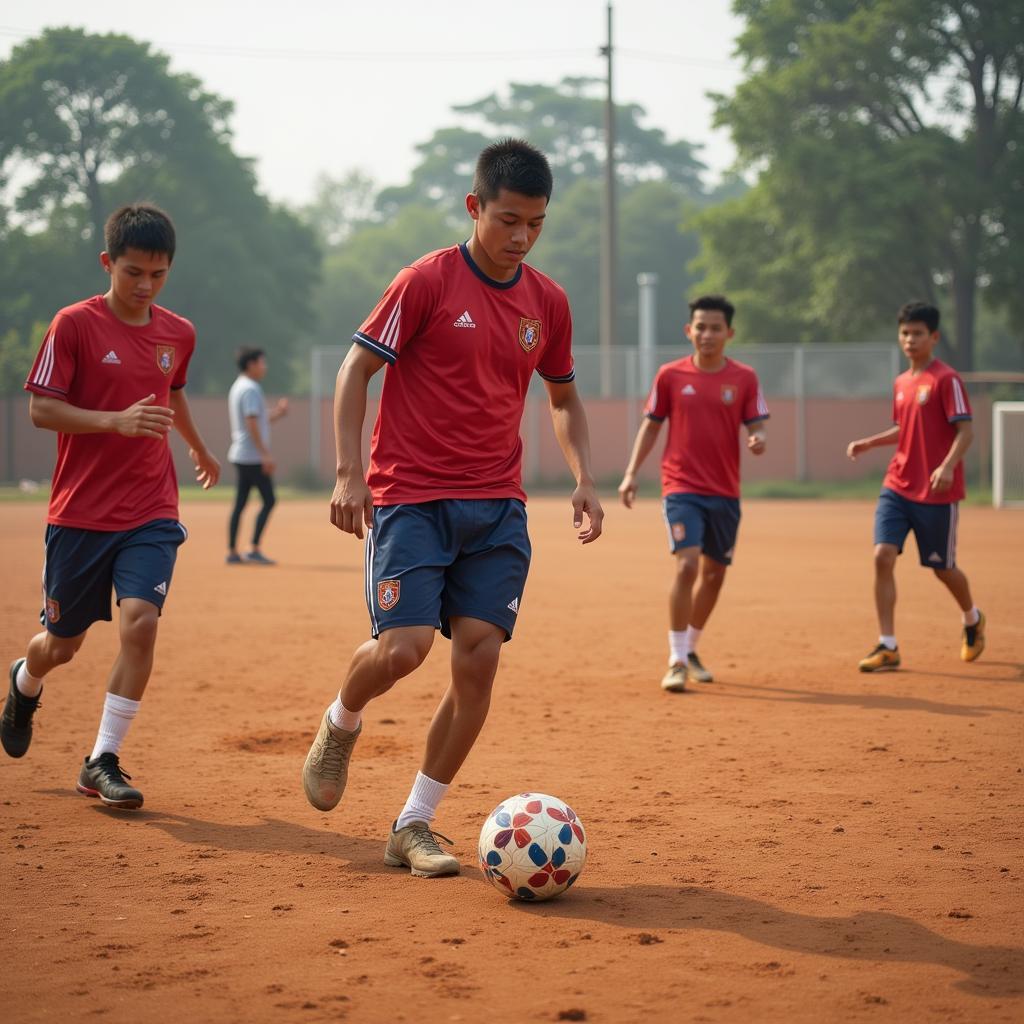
[{"x": 464, "y": 249}]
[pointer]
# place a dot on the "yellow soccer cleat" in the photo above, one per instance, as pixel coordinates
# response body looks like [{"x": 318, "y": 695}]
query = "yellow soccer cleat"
[
  {"x": 674, "y": 679},
  {"x": 973, "y": 639},
  {"x": 879, "y": 659}
]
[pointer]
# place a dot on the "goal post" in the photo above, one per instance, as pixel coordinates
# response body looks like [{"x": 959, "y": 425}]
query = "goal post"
[{"x": 1008, "y": 454}]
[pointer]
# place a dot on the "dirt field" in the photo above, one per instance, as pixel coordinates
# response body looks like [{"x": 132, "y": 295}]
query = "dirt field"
[{"x": 795, "y": 842}]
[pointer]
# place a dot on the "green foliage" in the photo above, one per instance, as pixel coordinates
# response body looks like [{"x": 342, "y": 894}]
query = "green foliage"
[
  {"x": 90, "y": 122},
  {"x": 17, "y": 351},
  {"x": 889, "y": 138}
]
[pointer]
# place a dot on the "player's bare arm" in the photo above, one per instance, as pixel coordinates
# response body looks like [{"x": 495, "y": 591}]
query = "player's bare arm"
[
  {"x": 570, "y": 422},
  {"x": 141, "y": 419},
  {"x": 645, "y": 438},
  {"x": 865, "y": 444},
  {"x": 252, "y": 424},
  {"x": 280, "y": 409},
  {"x": 352, "y": 503},
  {"x": 757, "y": 437},
  {"x": 942, "y": 475},
  {"x": 206, "y": 464}
]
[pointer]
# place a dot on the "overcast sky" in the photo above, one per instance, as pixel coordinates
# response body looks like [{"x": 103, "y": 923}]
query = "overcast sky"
[{"x": 329, "y": 86}]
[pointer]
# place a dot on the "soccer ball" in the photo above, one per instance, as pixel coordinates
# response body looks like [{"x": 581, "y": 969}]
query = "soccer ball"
[{"x": 532, "y": 847}]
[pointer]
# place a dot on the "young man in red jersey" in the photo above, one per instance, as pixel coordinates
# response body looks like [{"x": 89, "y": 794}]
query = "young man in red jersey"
[
  {"x": 109, "y": 379},
  {"x": 706, "y": 397},
  {"x": 924, "y": 482},
  {"x": 462, "y": 332}
]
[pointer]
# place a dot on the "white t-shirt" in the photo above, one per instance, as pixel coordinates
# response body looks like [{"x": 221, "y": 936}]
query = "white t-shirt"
[{"x": 246, "y": 399}]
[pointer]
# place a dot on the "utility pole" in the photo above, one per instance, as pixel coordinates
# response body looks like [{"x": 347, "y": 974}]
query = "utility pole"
[{"x": 608, "y": 240}]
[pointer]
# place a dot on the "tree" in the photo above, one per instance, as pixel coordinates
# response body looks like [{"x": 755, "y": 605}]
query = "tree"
[{"x": 890, "y": 143}]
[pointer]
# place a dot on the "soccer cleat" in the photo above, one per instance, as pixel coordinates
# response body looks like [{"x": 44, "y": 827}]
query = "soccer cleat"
[
  {"x": 416, "y": 848},
  {"x": 257, "y": 558},
  {"x": 674, "y": 680},
  {"x": 974, "y": 639},
  {"x": 881, "y": 657},
  {"x": 103, "y": 777},
  {"x": 233, "y": 558},
  {"x": 326, "y": 769},
  {"x": 16, "y": 722},
  {"x": 696, "y": 670}
]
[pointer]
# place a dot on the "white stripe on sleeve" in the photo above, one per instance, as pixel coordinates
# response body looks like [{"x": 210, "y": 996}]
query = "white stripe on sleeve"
[{"x": 392, "y": 328}]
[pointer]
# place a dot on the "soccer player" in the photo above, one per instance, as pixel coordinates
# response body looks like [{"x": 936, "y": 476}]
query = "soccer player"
[
  {"x": 250, "y": 450},
  {"x": 923, "y": 484},
  {"x": 706, "y": 397},
  {"x": 109, "y": 380},
  {"x": 461, "y": 331}
]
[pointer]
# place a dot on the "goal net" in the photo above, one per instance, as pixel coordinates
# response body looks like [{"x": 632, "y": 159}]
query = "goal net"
[{"x": 1008, "y": 454}]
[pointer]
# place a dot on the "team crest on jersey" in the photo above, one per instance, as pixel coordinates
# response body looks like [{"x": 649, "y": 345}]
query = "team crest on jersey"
[
  {"x": 529, "y": 333},
  {"x": 924, "y": 392},
  {"x": 728, "y": 393},
  {"x": 388, "y": 593},
  {"x": 678, "y": 532},
  {"x": 165, "y": 358},
  {"x": 52, "y": 610}
]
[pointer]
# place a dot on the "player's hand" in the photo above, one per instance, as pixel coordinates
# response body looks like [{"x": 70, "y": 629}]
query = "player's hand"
[
  {"x": 352, "y": 505},
  {"x": 268, "y": 464},
  {"x": 942, "y": 478},
  {"x": 281, "y": 409},
  {"x": 756, "y": 443},
  {"x": 627, "y": 490},
  {"x": 143, "y": 419},
  {"x": 585, "y": 502},
  {"x": 207, "y": 467},
  {"x": 855, "y": 448}
]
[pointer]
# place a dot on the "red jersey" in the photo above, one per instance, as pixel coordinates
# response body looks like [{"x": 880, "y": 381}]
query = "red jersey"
[
  {"x": 925, "y": 406},
  {"x": 92, "y": 360},
  {"x": 461, "y": 349},
  {"x": 704, "y": 410}
]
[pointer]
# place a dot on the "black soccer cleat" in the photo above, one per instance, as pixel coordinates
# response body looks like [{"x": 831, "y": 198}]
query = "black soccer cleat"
[
  {"x": 103, "y": 777},
  {"x": 16, "y": 721}
]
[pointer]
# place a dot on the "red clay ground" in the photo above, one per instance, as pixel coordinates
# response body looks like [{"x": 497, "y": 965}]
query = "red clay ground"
[{"x": 796, "y": 842}]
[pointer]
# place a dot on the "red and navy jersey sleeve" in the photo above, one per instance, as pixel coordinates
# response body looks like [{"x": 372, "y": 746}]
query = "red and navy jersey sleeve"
[
  {"x": 180, "y": 378},
  {"x": 657, "y": 407},
  {"x": 954, "y": 398},
  {"x": 55, "y": 364},
  {"x": 401, "y": 313},
  {"x": 556, "y": 364},
  {"x": 755, "y": 408}
]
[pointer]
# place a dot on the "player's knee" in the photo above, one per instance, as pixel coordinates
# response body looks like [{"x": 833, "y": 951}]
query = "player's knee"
[
  {"x": 399, "y": 658},
  {"x": 885, "y": 558},
  {"x": 60, "y": 650},
  {"x": 686, "y": 568},
  {"x": 139, "y": 626}
]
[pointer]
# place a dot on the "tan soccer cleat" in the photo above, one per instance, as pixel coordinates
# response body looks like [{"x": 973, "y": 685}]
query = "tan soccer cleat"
[
  {"x": 695, "y": 670},
  {"x": 674, "y": 680},
  {"x": 326, "y": 769},
  {"x": 881, "y": 657},
  {"x": 973, "y": 639},
  {"x": 416, "y": 848}
]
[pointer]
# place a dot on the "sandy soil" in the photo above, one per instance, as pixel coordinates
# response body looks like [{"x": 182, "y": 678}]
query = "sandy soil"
[{"x": 795, "y": 842}]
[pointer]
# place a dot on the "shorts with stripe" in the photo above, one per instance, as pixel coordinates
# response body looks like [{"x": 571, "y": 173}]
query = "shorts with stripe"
[
  {"x": 83, "y": 566},
  {"x": 430, "y": 561},
  {"x": 934, "y": 527},
  {"x": 707, "y": 521}
]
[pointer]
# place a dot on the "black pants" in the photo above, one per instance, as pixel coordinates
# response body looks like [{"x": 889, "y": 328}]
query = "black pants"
[{"x": 249, "y": 477}]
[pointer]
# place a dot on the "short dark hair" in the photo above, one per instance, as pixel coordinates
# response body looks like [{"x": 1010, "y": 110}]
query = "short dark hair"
[
  {"x": 919, "y": 312},
  {"x": 515, "y": 165},
  {"x": 248, "y": 355},
  {"x": 139, "y": 226},
  {"x": 712, "y": 302}
]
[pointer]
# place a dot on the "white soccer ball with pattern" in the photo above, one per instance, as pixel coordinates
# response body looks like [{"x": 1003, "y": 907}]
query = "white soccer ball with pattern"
[{"x": 532, "y": 846}]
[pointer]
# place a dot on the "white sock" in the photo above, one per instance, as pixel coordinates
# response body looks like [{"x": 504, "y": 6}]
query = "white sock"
[
  {"x": 889, "y": 641},
  {"x": 678, "y": 648},
  {"x": 341, "y": 718},
  {"x": 692, "y": 636},
  {"x": 118, "y": 713},
  {"x": 422, "y": 804},
  {"x": 970, "y": 619},
  {"x": 28, "y": 686}
]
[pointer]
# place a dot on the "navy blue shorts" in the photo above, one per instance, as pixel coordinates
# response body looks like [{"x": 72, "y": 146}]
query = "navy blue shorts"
[
  {"x": 82, "y": 566},
  {"x": 428, "y": 562},
  {"x": 704, "y": 521},
  {"x": 934, "y": 527}
]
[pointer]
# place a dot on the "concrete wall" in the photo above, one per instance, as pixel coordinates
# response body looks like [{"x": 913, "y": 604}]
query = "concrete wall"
[{"x": 27, "y": 453}]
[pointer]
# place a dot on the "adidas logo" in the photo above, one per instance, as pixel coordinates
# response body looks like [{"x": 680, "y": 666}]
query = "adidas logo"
[
  {"x": 513, "y": 605},
  {"x": 689, "y": 390},
  {"x": 935, "y": 557},
  {"x": 111, "y": 357},
  {"x": 464, "y": 321},
  {"x": 161, "y": 588}
]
